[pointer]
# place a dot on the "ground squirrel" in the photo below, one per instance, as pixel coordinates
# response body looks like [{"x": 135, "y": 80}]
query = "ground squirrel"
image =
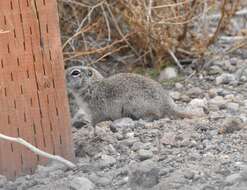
[{"x": 120, "y": 95}]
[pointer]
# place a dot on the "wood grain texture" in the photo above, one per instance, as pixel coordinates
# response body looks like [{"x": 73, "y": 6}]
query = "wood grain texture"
[{"x": 33, "y": 99}]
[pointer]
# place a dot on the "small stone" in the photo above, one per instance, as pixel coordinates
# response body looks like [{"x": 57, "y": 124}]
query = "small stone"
[
  {"x": 194, "y": 92},
  {"x": 143, "y": 175},
  {"x": 168, "y": 73},
  {"x": 81, "y": 183},
  {"x": 189, "y": 174},
  {"x": 230, "y": 97},
  {"x": 231, "y": 179},
  {"x": 144, "y": 154},
  {"x": 243, "y": 78},
  {"x": 169, "y": 139},
  {"x": 3, "y": 181},
  {"x": 107, "y": 161},
  {"x": 212, "y": 92},
  {"x": 225, "y": 78},
  {"x": 232, "y": 107},
  {"x": 175, "y": 95},
  {"x": 208, "y": 187},
  {"x": 185, "y": 98},
  {"x": 178, "y": 85},
  {"x": 214, "y": 70},
  {"x": 122, "y": 124},
  {"x": 137, "y": 146},
  {"x": 198, "y": 103},
  {"x": 218, "y": 101},
  {"x": 230, "y": 125}
]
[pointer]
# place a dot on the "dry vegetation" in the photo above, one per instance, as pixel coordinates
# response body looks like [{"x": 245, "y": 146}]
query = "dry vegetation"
[{"x": 154, "y": 31}]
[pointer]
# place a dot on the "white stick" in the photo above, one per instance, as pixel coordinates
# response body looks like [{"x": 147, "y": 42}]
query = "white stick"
[
  {"x": 242, "y": 12},
  {"x": 38, "y": 151},
  {"x": 175, "y": 59}
]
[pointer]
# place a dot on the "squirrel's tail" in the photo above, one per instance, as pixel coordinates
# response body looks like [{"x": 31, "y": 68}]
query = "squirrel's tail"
[{"x": 174, "y": 110}]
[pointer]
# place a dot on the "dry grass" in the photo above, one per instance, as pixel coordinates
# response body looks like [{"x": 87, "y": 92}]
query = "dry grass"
[{"x": 153, "y": 30}]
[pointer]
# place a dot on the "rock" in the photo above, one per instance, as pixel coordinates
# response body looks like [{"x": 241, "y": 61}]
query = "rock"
[
  {"x": 218, "y": 101},
  {"x": 137, "y": 146},
  {"x": 189, "y": 174},
  {"x": 143, "y": 175},
  {"x": 232, "y": 107},
  {"x": 144, "y": 154},
  {"x": 230, "y": 125},
  {"x": 169, "y": 139},
  {"x": 212, "y": 92},
  {"x": 229, "y": 67},
  {"x": 81, "y": 183},
  {"x": 107, "y": 161},
  {"x": 194, "y": 92},
  {"x": 230, "y": 97},
  {"x": 175, "y": 95},
  {"x": 53, "y": 166},
  {"x": 3, "y": 181},
  {"x": 225, "y": 78},
  {"x": 178, "y": 85},
  {"x": 121, "y": 124},
  {"x": 198, "y": 103},
  {"x": 168, "y": 73},
  {"x": 214, "y": 70},
  {"x": 185, "y": 98},
  {"x": 231, "y": 179}
]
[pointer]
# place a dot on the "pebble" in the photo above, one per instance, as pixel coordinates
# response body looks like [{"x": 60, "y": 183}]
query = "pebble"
[
  {"x": 107, "y": 161},
  {"x": 175, "y": 95},
  {"x": 198, "y": 103},
  {"x": 225, "y": 78},
  {"x": 122, "y": 123},
  {"x": 178, "y": 85},
  {"x": 189, "y": 174},
  {"x": 194, "y": 92},
  {"x": 169, "y": 139},
  {"x": 81, "y": 183},
  {"x": 214, "y": 70},
  {"x": 185, "y": 98},
  {"x": 143, "y": 175},
  {"x": 3, "y": 181},
  {"x": 212, "y": 92},
  {"x": 231, "y": 179},
  {"x": 218, "y": 101},
  {"x": 168, "y": 73},
  {"x": 232, "y": 107},
  {"x": 144, "y": 154},
  {"x": 230, "y": 125}
]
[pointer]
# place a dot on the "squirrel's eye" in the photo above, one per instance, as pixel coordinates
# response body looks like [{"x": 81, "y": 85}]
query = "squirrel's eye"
[
  {"x": 75, "y": 73},
  {"x": 90, "y": 73}
]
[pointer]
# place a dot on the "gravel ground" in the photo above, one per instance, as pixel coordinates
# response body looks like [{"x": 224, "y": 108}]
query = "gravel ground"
[{"x": 208, "y": 153}]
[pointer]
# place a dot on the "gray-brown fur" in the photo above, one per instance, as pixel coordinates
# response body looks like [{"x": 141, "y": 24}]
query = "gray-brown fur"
[{"x": 120, "y": 95}]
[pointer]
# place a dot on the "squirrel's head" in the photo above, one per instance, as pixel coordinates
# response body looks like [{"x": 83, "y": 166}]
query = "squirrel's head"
[{"x": 79, "y": 77}]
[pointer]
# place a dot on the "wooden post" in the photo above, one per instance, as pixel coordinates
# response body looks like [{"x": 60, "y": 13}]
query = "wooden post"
[{"x": 33, "y": 99}]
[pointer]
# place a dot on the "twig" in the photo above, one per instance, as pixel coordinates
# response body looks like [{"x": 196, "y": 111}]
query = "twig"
[
  {"x": 75, "y": 3},
  {"x": 109, "y": 53},
  {"x": 238, "y": 13},
  {"x": 119, "y": 30},
  {"x": 175, "y": 59},
  {"x": 80, "y": 32},
  {"x": 107, "y": 22},
  {"x": 172, "y": 4},
  {"x": 38, "y": 151},
  {"x": 232, "y": 38}
]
